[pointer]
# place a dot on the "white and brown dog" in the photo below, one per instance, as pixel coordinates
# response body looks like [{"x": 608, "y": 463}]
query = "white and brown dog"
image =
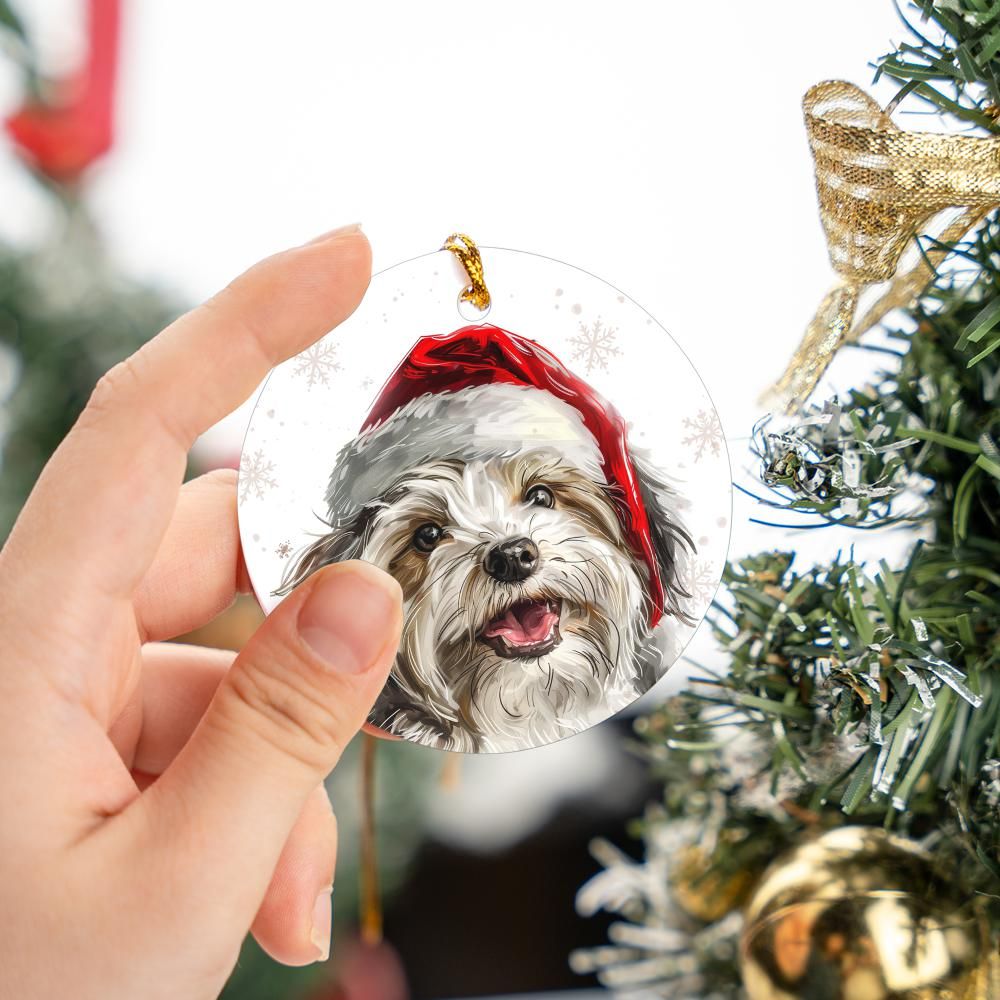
[{"x": 536, "y": 552}]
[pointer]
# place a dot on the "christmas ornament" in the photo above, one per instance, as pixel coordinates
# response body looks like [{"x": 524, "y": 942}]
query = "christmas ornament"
[
  {"x": 878, "y": 186},
  {"x": 550, "y": 488},
  {"x": 859, "y": 914}
]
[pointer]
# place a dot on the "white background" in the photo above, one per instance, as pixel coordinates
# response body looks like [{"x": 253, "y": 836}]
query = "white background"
[{"x": 657, "y": 145}]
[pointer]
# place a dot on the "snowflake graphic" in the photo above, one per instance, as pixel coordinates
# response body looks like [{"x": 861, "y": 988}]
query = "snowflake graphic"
[
  {"x": 317, "y": 364},
  {"x": 256, "y": 475},
  {"x": 284, "y": 550},
  {"x": 706, "y": 434},
  {"x": 595, "y": 345},
  {"x": 703, "y": 581},
  {"x": 367, "y": 383}
]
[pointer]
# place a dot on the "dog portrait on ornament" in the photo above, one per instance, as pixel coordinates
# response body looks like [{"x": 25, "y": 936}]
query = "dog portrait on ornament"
[{"x": 543, "y": 560}]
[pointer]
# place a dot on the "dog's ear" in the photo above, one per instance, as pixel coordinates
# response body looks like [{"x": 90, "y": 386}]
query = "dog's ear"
[
  {"x": 345, "y": 540},
  {"x": 671, "y": 541}
]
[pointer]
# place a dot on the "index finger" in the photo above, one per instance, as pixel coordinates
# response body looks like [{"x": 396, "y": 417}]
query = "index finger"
[{"x": 103, "y": 502}]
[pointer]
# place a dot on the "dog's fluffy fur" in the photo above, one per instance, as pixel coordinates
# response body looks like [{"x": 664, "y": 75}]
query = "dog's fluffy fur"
[{"x": 449, "y": 687}]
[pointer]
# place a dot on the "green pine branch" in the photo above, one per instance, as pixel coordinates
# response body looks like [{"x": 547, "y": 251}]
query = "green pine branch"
[{"x": 951, "y": 60}]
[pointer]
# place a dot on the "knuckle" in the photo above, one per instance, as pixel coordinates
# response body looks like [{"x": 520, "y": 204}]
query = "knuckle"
[
  {"x": 116, "y": 384},
  {"x": 214, "y": 482},
  {"x": 222, "y": 479},
  {"x": 289, "y": 712},
  {"x": 125, "y": 389}
]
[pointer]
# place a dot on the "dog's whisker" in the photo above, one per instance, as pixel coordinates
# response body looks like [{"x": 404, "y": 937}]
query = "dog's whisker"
[
  {"x": 582, "y": 582},
  {"x": 481, "y": 676},
  {"x": 597, "y": 641},
  {"x": 586, "y": 581},
  {"x": 513, "y": 715}
]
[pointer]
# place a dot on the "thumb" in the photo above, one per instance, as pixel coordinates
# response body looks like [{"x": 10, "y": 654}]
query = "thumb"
[{"x": 293, "y": 699}]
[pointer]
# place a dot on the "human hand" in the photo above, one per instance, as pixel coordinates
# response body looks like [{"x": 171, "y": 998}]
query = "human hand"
[{"x": 116, "y": 885}]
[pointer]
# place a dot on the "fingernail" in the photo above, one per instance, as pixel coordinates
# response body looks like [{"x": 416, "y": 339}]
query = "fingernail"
[
  {"x": 354, "y": 227},
  {"x": 322, "y": 923},
  {"x": 348, "y": 614}
]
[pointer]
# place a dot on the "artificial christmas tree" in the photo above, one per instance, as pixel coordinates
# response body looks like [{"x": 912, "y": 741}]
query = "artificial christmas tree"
[{"x": 862, "y": 700}]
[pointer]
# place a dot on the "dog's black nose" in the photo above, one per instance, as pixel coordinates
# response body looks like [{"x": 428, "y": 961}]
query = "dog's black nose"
[{"x": 512, "y": 561}]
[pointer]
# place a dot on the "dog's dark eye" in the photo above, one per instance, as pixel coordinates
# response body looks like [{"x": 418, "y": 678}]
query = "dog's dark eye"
[
  {"x": 427, "y": 536},
  {"x": 540, "y": 496}
]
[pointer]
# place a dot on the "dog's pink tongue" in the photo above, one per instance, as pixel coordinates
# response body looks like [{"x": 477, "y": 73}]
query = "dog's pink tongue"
[{"x": 525, "y": 624}]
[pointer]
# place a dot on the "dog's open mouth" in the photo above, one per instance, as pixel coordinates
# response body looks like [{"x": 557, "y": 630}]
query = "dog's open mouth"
[{"x": 526, "y": 629}]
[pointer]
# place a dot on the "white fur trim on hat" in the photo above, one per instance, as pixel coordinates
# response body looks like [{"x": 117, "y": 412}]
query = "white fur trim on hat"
[{"x": 480, "y": 422}]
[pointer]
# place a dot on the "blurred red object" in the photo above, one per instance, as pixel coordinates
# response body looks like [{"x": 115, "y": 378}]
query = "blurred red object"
[
  {"x": 366, "y": 972},
  {"x": 63, "y": 136}
]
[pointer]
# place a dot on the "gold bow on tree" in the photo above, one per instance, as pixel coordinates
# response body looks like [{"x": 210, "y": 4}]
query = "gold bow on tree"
[{"x": 879, "y": 187}]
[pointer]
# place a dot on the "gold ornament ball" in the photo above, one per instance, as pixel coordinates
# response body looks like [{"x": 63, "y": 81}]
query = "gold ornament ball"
[{"x": 859, "y": 914}]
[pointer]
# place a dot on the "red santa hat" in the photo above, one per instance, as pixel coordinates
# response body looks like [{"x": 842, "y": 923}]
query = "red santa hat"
[{"x": 485, "y": 388}]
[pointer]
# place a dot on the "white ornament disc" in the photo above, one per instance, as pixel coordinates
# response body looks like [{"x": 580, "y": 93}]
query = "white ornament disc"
[{"x": 549, "y": 483}]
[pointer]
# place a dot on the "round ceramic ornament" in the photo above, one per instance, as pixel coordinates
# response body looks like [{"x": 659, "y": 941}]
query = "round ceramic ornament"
[{"x": 546, "y": 478}]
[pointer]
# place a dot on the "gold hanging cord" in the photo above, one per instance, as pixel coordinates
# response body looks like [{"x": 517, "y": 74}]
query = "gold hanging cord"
[
  {"x": 878, "y": 187},
  {"x": 371, "y": 897},
  {"x": 467, "y": 252},
  {"x": 371, "y": 901}
]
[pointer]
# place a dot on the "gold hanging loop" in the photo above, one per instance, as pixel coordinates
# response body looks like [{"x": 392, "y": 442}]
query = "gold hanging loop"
[
  {"x": 371, "y": 900},
  {"x": 467, "y": 252}
]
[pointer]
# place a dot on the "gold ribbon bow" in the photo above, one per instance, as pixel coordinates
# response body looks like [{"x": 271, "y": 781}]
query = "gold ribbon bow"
[{"x": 878, "y": 186}]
